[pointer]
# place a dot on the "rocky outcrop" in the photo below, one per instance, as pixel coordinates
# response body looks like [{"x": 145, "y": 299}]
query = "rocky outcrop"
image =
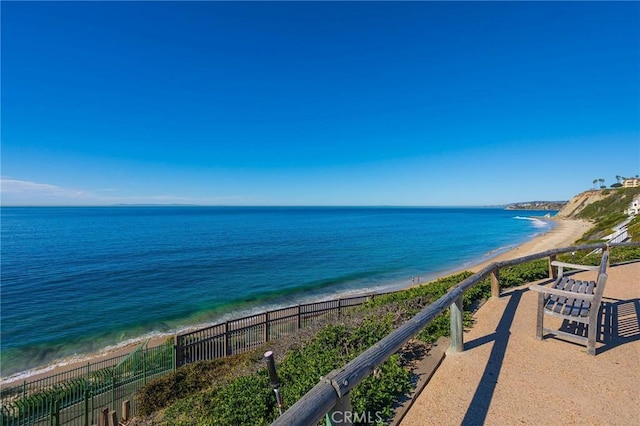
[{"x": 579, "y": 202}]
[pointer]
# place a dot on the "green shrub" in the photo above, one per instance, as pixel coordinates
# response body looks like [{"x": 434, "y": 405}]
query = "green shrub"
[
  {"x": 426, "y": 293},
  {"x": 378, "y": 392},
  {"x": 624, "y": 254},
  {"x": 514, "y": 276},
  {"x": 187, "y": 380},
  {"x": 587, "y": 257},
  {"x": 244, "y": 401},
  {"x": 250, "y": 399}
]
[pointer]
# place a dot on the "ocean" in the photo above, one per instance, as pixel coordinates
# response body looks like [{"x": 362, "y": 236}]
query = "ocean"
[{"x": 77, "y": 280}]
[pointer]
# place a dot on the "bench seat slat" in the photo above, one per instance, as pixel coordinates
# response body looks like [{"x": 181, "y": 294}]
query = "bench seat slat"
[
  {"x": 589, "y": 288},
  {"x": 562, "y": 302},
  {"x": 576, "y": 306},
  {"x": 572, "y": 302},
  {"x": 554, "y": 300}
]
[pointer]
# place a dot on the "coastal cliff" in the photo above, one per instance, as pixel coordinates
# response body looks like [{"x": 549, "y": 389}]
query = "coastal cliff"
[
  {"x": 573, "y": 208},
  {"x": 606, "y": 209}
]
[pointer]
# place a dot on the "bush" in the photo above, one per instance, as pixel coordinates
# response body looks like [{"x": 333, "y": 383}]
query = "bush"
[
  {"x": 250, "y": 399},
  {"x": 514, "y": 276},
  {"x": 187, "y": 380},
  {"x": 624, "y": 254}
]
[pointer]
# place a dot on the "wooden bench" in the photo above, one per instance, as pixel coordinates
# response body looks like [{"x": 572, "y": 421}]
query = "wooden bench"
[{"x": 573, "y": 300}]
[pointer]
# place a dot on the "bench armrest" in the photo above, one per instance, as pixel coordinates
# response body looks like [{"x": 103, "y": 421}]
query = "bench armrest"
[
  {"x": 574, "y": 266},
  {"x": 563, "y": 293}
]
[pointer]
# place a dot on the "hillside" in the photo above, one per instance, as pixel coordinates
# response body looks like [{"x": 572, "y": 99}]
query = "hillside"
[
  {"x": 573, "y": 208},
  {"x": 604, "y": 208}
]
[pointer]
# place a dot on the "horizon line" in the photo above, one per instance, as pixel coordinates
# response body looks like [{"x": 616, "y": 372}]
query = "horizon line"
[{"x": 280, "y": 205}]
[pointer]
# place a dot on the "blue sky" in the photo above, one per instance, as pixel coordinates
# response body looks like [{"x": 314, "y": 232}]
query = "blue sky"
[{"x": 327, "y": 103}]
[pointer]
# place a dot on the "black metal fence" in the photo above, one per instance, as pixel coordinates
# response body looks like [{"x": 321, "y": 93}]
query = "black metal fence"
[
  {"x": 81, "y": 396},
  {"x": 244, "y": 334},
  {"x": 86, "y": 395}
]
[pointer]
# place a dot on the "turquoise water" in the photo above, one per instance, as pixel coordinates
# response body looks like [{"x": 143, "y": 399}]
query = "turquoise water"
[{"x": 75, "y": 280}]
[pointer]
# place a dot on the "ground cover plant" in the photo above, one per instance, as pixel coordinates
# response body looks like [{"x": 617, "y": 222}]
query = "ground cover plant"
[
  {"x": 230, "y": 393},
  {"x": 593, "y": 257}
]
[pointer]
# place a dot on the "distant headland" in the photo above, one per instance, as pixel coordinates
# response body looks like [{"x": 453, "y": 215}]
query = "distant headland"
[{"x": 537, "y": 205}]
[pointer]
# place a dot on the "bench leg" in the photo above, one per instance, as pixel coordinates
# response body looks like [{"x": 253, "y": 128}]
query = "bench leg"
[
  {"x": 591, "y": 340},
  {"x": 540, "y": 318},
  {"x": 592, "y": 331}
]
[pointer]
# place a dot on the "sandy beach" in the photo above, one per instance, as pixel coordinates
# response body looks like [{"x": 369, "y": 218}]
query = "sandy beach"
[{"x": 564, "y": 234}]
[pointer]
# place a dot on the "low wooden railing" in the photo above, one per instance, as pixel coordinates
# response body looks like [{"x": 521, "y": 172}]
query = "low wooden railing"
[{"x": 331, "y": 394}]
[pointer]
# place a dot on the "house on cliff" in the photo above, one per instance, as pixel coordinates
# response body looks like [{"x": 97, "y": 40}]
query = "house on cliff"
[
  {"x": 634, "y": 207},
  {"x": 631, "y": 182}
]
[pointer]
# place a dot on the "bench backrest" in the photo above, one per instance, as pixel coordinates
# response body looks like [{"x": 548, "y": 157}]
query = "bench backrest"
[{"x": 601, "y": 281}]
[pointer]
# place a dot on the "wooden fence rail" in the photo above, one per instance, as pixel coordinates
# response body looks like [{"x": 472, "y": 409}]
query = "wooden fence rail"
[{"x": 331, "y": 394}]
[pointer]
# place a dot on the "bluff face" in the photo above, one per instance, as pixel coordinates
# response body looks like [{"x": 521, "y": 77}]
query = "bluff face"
[{"x": 573, "y": 208}]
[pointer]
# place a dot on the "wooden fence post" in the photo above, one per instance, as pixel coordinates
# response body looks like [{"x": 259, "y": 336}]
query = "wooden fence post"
[
  {"x": 299, "y": 318},
  {"x": 266, "y": 327},
  {"x": 126, "y": 410},
  {"x": 553, "y": 271},
  {"x": 113, "y": 418},
  {"x": 456, "y": 313},
  {"x": 104, "y": 417},
  {"x": 495, "y": 284}
]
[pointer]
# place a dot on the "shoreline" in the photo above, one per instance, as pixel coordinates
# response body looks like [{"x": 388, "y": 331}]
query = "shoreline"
[{"x": 563, "y": 234}]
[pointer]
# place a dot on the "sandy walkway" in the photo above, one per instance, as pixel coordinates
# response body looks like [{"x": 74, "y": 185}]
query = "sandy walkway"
[
  {"x": 564, "y": 234},
  {"x": 507, "y": 377}
]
